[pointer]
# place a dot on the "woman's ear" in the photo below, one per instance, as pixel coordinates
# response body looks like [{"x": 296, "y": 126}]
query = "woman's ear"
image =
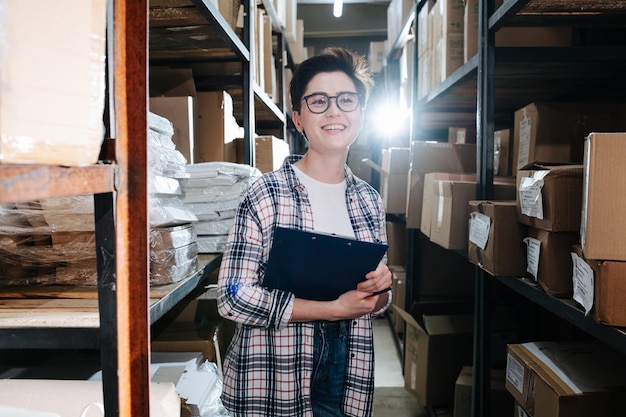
[{"x": 295, "y": 116}]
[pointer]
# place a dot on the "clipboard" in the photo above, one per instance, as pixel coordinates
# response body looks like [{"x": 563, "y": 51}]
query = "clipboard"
[{"x": 319, "y": 266}]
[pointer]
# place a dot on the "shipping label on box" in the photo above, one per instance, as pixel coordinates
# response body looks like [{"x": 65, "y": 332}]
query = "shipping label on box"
[
  {"x": 605, "y": 287},
  {"x": 549, "y": 260},
  {"x": 496, "y": 238}
]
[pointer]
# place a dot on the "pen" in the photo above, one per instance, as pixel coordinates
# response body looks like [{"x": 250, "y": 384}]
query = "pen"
[{"x": 383, "y": 291}]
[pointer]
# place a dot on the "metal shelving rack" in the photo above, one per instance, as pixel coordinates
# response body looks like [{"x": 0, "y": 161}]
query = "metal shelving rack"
[
  {"x": 125, "y": 304},
  {"x": 487, "y": 90}
]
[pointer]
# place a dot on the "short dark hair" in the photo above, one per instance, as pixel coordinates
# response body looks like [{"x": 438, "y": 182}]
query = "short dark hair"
[{"x": 329, "y": 60}]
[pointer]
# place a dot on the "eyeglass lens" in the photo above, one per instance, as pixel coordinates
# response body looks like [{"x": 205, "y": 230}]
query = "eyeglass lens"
[{"x": 319, "y": 103}]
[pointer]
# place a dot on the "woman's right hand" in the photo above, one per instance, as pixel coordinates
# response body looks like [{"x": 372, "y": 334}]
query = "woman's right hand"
[{"x": 356, "y": 303}]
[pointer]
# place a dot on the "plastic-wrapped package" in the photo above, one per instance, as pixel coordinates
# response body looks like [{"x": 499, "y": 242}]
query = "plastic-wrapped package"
[
  {"x": 218, "y": 227},
  {"x": 162, "y": 238},
  {"x": 212, "y": 193},
  {"x": 167, "y": 162},
  {"x": 49, "y": 215},
  {"x": 49, "y": 241},
  {"x": 203, "y": 402},
  {"x": 168, "y": 211},
  {"x": 211, "y": 244},
  {"x": 60, "y": 258},
  {"x": 167, "y": 274},
  {"x": 214, "y": 210},
  {"x": 163, "y": 185},
  {"x": 160, "y": 125},
  {"x": 174, "y": 256},
  {"x": 173, "y": 253},
  {"x": 209, "y": 193}
]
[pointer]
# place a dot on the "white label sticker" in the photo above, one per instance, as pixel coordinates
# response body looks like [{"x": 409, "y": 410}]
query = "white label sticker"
[
  {"x": 525, "y": 127},
  {"x": 530, "y": 200},
  {"x": 521, "y": 412},
  {"x": 532, "y": 258},
  {"x": 515, "y": 373},
  {"x": 479, "y": 229},
  {"x": 583, "y": 282}
]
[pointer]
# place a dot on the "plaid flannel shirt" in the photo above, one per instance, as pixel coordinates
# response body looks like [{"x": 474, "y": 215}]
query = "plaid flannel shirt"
[{"x": 268, "y": 365}]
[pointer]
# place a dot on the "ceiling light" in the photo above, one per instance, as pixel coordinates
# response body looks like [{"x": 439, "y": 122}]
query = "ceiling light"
[{"x": 338, "y": 8}]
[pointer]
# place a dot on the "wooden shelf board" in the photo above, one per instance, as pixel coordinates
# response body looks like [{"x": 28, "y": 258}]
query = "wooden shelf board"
[
  {"x": 67, "y": 306},
  {"x": 32, "y": 182}
]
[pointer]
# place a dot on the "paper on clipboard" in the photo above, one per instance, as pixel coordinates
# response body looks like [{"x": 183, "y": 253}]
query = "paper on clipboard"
[{"x": 319, "y": 266}]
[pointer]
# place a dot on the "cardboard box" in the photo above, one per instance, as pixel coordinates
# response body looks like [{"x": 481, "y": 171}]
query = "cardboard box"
[
  {"x": 68, "y": 398},
  {"x": 356, "y": 155},
  {"x": 433, "y": 157},
  {"x": 450, "y": 56},
  {"x": 511, "y": 36},
  {"x": 396, "y": 239},
  {"x": 549, "y": 196},
  {"x": 450, "y": 209},
  {"x": 501, "y": 402},
  {"x": 180, "y": 112},
  {"x": 504, "y": 252},
  {"x": 439, "y": 272},
  {"x": 502, "y": 142},
  {"x": 609, "y": 290},
  {"x": 53, "y": 82},
  {"x": 549, "y": 260},
  {"x": 555, "y": 132},
  {"x": 436, "y": 349},
  {"x": 603, "y": 225},
  {"x": 376, "y": 56},
  {"x": 430, "y": 195},
  {"x": 394, "y": 166},
  {"x": 423, "y": 24},
  {"x": 197, "y": 328},
  {"x": 398, "y": 288},
  {"x": 270, "y": 152},
  {"x": 575, "y": 379},
  {"x": 215, "y": 126},
  {"x": 397, "y": 12}
]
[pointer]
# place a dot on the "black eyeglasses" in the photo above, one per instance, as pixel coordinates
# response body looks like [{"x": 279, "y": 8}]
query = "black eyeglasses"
[{"x": 319, "y": 102}]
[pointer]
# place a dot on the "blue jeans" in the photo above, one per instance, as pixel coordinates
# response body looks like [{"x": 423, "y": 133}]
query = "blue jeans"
[{"x": 330, "y": 355}]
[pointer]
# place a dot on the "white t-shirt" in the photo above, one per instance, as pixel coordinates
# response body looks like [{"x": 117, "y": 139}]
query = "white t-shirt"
[{"x": 328, "y": 202}]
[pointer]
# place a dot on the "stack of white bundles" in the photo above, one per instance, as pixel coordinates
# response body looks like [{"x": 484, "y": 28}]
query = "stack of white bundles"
[
  {"x": 166, "y": 167},
  {"x": 213, "y": 192},
  {"x": 167, "y": 213}
]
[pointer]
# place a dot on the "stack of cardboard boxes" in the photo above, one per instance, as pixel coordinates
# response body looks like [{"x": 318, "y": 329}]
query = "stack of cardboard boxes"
[{"x": 562, "y": 202}]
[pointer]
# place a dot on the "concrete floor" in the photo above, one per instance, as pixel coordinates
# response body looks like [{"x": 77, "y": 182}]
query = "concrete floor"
[{"x": 391, "y": 399}]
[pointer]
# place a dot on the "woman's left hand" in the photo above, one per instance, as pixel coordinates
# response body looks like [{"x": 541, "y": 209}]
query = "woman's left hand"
[{"x": 376, "y": 280}]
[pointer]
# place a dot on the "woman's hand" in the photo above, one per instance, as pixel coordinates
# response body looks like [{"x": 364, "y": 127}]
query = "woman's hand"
[
  {"x": 354, "y": 303},
  {"x": 362, "y": 300},
  {"x": 377, "y": 280}
]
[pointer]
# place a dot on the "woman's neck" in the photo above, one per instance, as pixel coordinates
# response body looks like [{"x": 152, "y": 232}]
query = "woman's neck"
[{"x": 325, "y": 169}]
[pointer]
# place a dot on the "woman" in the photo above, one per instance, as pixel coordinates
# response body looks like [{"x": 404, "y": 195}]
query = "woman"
[{"x": 291, "y": 356}]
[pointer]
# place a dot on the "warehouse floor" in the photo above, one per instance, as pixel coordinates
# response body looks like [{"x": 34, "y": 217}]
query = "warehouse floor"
[{"x": 390, "y": 397}]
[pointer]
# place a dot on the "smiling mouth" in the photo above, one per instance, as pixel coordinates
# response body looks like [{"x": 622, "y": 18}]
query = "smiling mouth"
[{"x": 333, "y": 127}]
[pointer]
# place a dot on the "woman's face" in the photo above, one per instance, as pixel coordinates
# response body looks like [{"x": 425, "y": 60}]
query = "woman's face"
[{"x": 333, "y": 129}]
